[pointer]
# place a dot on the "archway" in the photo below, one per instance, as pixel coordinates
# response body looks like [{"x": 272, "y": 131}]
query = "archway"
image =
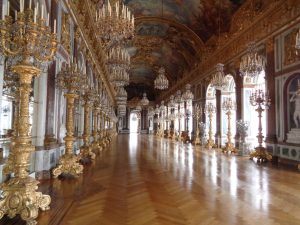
[
  {"x": 228, "y": 92},
  {"x": 133, "y": 122},
  {"x": 249, "y": 113}
]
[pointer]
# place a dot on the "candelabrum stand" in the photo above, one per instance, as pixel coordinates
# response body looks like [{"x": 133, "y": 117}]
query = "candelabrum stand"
[
  {"x": 96, "y": 114},
  {"x": 26, "y": 40},
  {"x": 210, "y": 109},
  {"x": 198, "y": 115},
  {"x": 260, "y": 99},
  {"x": 103, "y": 139},
  {"x": 69, "y": 79},
  {"x": 11, "y": 84},
  {"x": 228, "y": 106},
  {"x": 86, "y": 150}
]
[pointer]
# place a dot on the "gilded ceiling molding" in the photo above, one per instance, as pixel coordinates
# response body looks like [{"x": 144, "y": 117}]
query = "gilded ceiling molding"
[
  {"x": 80, "y": 18},
  {"x": 274, "y": 19}
]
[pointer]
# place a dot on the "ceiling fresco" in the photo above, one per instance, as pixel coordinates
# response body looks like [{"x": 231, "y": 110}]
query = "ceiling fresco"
[
  {"x": 157, "y": 44},
  {"x": 201, "y": 16},
  {"x": 175, "y": 40}
]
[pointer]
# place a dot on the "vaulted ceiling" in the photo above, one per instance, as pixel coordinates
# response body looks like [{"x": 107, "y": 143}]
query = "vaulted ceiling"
[{"x": 173, "y": 37}]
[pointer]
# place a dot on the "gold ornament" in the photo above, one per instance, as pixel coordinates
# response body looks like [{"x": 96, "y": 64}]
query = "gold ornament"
[
  {"x": 68, "y": 163},
  {"x": 26, "y": 40},
  {"x": 86, "y": 150}
]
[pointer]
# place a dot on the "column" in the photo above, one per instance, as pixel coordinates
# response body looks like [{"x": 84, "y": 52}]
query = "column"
[
  {"x": 239, "y": 100},
  {"x": 39, "y": 118},
  {"x": 270, "y": 87},
  {"x": 50, "y": 106},
  {"x": 218, "y": 117}
]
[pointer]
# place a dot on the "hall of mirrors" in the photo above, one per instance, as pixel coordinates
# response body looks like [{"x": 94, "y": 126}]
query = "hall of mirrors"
[{"x": 95, "y": 90}]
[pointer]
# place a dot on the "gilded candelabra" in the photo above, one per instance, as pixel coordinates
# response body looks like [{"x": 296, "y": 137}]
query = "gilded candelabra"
[
  {"x": 86, "y": 150},
  {"x": 96, "y": 118},
  {"x": 228, "y": 105},
  {"x": 11, "y": 88},
  {"x": 198, "y": 116},
  {"x": 210, "y": 109},
  {"x": 26, "y": 40},
  {"x": 101, "y": 130},
  {"x": 259, "y": 98},
  {"x": 69, "y": 80}
]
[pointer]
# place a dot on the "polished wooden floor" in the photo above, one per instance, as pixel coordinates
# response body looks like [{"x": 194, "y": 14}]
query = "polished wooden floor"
[{"x": 143, "y": 180}]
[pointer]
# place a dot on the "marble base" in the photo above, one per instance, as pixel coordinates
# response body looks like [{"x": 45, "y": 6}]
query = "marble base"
[{"x": 294, "y": 136}]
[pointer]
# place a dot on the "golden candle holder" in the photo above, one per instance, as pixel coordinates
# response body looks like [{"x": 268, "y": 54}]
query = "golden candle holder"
[
  {"x": 86, "y": 150},
  {"x": 228, "y": 106},
  {"x": 210, "y": 109},
  {"x": 198, "y": 116},
  {"x": 27, "y": 40},
  {"x": 11, "y": 88},
  {"x": 259, "y": 98},
  {"x": 69, "y": 80},
  {"x": 101, "y": 130},
  {"x": 96, "y": 118}
]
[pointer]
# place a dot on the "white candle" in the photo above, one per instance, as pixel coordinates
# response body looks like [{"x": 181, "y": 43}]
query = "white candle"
[
  {"x": 8, "y": 8},
  {"x": 22, "y": 9},
  {"x": 37, "y": 8},
  {"x": 30, "y": 3},
  {"x": 48, "y": 18},
  {"x": 54, "y": 30},
  {"x": 34, "y": 18},
  {"x": 42, "y": 14},
  {"x": 16, "y": 15}
]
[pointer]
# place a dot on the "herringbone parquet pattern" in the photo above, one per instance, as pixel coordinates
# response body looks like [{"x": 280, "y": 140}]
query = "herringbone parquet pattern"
[{"x": 142, "y": 180}]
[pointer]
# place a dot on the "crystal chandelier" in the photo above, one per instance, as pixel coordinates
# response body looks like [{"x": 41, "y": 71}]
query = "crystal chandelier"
[
  {"x": 188, "y": 95},
  {"x": 178, "y": 97},
  {"x": 171, "y": 103},
  {"x": 115, "y": 23},
  {"x": 252, "y": 64},
  {"x": 145, "y": 100},
  {"x": 161, "y": 82},
  {"x": 157, "y": 110},
  {"x": 218, "y": 80},
  {"x": 119, "y": 78},
  {"x": 121, "y": 96},
  {"x": 151, "y": 112},
  {"x": 118, "y": 58}
]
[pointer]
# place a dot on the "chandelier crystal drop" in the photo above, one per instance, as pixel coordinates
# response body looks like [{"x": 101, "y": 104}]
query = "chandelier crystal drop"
[
  {"x": 115, "y": 23},
  {"x": 252, "y": 64},
  {"x": 145, "y": 100},
  {"x": 161, "y": 82},
  {"x": 218, "y": 80}
]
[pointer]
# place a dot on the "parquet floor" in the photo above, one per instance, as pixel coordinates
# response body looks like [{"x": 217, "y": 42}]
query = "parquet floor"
[{"x": 143, "y": 180}]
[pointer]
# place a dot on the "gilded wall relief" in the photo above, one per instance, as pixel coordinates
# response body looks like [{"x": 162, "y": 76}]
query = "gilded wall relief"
[
  {"x": 289, "y": 41},
  {"x": 65, "y": 32}
]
